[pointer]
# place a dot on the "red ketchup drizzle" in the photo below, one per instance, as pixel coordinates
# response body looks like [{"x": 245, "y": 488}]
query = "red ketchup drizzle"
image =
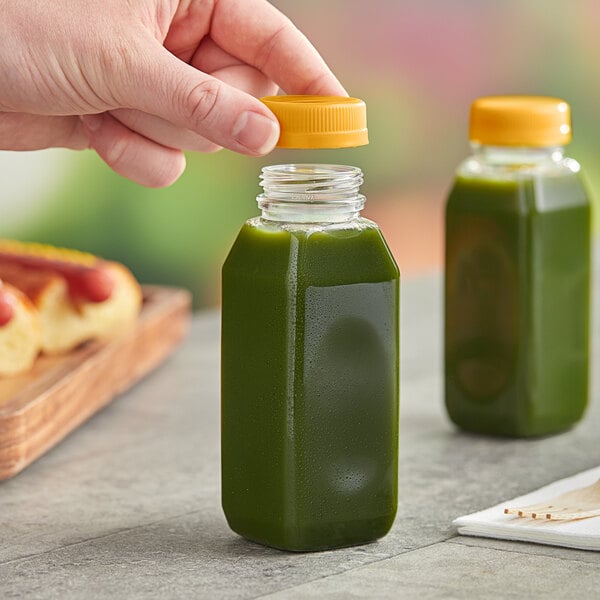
[
  {"x": 88, "y": 283},
  {"x": 7, "y": 307}
]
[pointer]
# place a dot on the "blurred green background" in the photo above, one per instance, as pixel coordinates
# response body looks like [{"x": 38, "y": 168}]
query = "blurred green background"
[{"x": 418, "y": 65}]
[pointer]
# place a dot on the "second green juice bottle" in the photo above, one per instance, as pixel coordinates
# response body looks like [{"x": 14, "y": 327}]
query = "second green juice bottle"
[{"x": 517, "y": 274}]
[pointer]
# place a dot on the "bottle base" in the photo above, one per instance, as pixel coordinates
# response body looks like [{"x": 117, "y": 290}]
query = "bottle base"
[
  {"x": 513, "y": 431},
  {"x": 313, "y": 538}
]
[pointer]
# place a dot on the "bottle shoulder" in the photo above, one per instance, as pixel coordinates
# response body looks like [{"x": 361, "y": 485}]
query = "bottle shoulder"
[
  {"x": 525, "y": 192},
  {"x": 343, "y": 252}
]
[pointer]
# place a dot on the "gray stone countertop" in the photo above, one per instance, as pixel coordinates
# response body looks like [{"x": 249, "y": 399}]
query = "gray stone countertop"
[{"x": 128, "y": 506}]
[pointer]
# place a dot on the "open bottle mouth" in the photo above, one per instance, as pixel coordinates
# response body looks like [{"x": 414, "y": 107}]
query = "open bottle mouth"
[{"x": 309, "y": 193}]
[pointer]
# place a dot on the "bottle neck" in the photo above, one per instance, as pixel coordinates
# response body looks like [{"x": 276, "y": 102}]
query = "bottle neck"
[
  {"x": 300, "y": 193},
  {"x": 518, "y": 156}
]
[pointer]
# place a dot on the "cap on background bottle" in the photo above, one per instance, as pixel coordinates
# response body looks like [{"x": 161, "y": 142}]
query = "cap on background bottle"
[{"x": 535, "y": 121}]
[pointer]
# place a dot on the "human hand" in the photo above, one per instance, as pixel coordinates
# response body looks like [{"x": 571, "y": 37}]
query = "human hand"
[{"x": 141, "y": 80}]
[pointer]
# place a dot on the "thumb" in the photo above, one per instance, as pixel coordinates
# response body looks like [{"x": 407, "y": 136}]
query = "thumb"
[{"x": 165, "y": 86}]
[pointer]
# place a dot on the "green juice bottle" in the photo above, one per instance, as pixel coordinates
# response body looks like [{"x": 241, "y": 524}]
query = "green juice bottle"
[
  {"x": 517, "y": 289},
  {"x": 310, "y": 361}
]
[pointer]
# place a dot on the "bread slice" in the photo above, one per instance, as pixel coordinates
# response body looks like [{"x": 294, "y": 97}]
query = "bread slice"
[{"x": 20, "y": 332}]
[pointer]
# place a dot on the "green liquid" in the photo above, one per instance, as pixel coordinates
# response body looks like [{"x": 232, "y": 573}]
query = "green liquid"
[
  {"x": 517, "y": 305},
  {"x": 310, "y": 387}
]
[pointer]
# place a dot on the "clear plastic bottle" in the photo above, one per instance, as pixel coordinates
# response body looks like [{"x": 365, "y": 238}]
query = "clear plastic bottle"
[
  {"x": 517, "y": 293},
  {"x": 310, "y": 366}
]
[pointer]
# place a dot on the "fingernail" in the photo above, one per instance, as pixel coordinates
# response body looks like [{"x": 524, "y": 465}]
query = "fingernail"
[
  {"x": 92, "y": 122},
  {"x": 257, "y": 133}
]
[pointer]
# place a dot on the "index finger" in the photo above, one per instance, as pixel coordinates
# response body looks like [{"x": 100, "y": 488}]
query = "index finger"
[{"x": 257, "y": 33}]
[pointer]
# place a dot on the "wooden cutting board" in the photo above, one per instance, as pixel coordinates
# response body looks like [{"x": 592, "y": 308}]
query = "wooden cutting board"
[{"x": 39, "y": 408}]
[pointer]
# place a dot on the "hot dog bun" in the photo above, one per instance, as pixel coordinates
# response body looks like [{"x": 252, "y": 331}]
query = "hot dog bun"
[
  {"x": 78, "y": 296},
  {"x": 20, "y": 332}
]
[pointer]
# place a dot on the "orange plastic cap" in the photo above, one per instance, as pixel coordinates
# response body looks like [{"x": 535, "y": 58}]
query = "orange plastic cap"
[
  {"x": 520, "y": 121},
  {"x": 319, "y": 121}
]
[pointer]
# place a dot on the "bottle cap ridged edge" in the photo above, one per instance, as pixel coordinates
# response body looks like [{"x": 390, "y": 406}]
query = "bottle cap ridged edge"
[{"x": 319, "y": 121}]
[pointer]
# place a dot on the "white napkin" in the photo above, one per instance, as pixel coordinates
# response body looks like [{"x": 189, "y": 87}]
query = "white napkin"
[{"x": 583, "y": 534}]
